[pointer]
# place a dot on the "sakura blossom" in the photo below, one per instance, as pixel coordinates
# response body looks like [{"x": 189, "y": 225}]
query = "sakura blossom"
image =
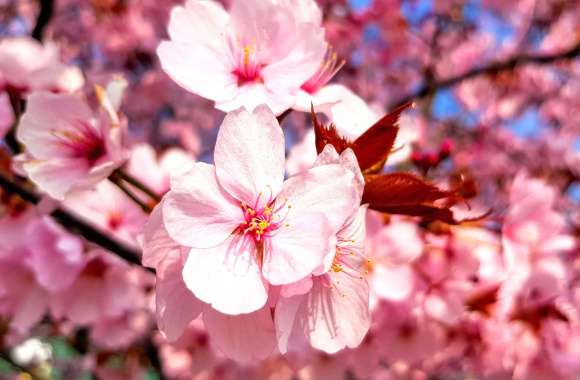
[
  {"x": 289, "y": 189},
  {"x": 68, "y": 146},
  {"x": 260, "y": 52}
]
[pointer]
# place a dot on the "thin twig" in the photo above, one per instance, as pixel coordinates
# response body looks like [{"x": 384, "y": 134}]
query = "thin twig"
[
  {"x": 17, "y": 104},
  {"x": 76, "y": 225},
  {"x": 137, "y": 184},
  {"x": 493, "y": 68},
  {"x": 44, "y": 15},
  {"x": 284, "y": 115},
  {"x": 122, "y": 186}
]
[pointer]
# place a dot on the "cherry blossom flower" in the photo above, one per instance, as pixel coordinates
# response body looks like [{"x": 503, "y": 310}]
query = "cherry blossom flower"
[
  {"x": 68, "y": 147},
  {"x": 261, "y": 52},
  {"x": 247, "y": 227},
  {"x": 249, "y": 336},
  {"x": 26, "y": 65},
  {"x": 331, "y": 308}
]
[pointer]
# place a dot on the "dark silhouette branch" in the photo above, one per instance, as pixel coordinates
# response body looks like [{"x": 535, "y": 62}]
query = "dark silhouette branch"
[
  {"x": 123, "y": 187},
  {"x": 44, "y": 16},
  {"x": 76, "y": 225},
  {"x": 493, "y": 68},
  {"x": 122, "y": 175}
]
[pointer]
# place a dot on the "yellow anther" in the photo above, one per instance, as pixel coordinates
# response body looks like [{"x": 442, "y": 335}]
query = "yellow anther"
[{"x": 248, "y": 49}]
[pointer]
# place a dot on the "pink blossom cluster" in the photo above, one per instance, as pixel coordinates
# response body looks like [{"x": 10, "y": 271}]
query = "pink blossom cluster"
[{"x": 203, "y": 189}]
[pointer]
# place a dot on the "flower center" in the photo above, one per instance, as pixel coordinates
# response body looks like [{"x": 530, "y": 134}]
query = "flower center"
[
  {"x": 260, "y": 221},
  {"x": 248, "y": 65},
  {"x": 82, "y": 142}
]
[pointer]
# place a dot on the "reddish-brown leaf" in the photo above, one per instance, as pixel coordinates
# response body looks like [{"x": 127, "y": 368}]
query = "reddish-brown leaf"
[
  {"x": 327, "y": 135},
  {"x": 425, "y": 211},
  {"x": 483, "y": 300},
  {"x": 400, "y": 189},
  {"x": 373, "y": 147}
]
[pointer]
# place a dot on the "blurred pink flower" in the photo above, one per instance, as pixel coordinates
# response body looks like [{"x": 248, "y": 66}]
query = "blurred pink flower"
[
  {"x": 68, "y": 147},
  {"x": 26, "y": 65},
  {"x": 33, "y": 270},
  {"x": 261, "y": 52},
  {"x": 109, "y": 208},
  {"x": 155, "y": 171},
  {"x": 532, "y": 229},
  {"x": 105, "y": 288}
]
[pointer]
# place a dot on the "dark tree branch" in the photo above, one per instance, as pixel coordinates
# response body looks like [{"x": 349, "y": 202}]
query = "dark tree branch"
[
  {"x": 120, "y": 174},
  {"x": 44, "y": 16},
  {"x": 123, "y": 187},
  {"x": 493, "y": 68},
  {"x": 76, "y": 225}
]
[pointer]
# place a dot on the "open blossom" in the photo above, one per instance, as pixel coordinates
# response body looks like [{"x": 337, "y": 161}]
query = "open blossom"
[
  {"x": 243, "y": 337},
  {"x": 34, "y": 270},
  {"x": 26, "y": 65},
  {"x": 68, "y": 146},
  {"x": 261, "y": 52},
  {"x": 330, "y": 308},
  {"x": 109, "y": 208},
  {"x": 246, "y": 226},
  {"x": 532, "y": 229},
  {"x": 224, "y": 234}
]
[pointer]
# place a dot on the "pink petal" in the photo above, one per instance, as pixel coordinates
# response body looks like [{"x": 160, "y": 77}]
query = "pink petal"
[
  {"x": 58, "y": 176},
  {"x": 56, "y": 257},
  {"x": 244, "y": 338},
  {"x": 157, "y": 244},
  {"x": 393, "y": 283},
  {"x": 47, "y": 113},
  {"x": 176, "y": 305},
  {"x": 327, "y": 189},
  {"x": 335, "y": 314},
  {"x": 197, "y": 212},
  {"x": 74, "y": 302},
  {"x": 199, "y": 69},
  {"x": 347, "y": 159},
  {"x": 196, "y": 60},
  {"x": 186, "y": 22},
  {"x": 296, "y": 288},
  {"x": 299, "y": 63},
  {"x": 250, "y": 96},
  {"x": 249, "y": 154},
  {"x": 227, "y": 277},
  {"x": 297, "y": 248},
  {"x": 285, "y": 318},
  {"x": 30, "y": 309}
]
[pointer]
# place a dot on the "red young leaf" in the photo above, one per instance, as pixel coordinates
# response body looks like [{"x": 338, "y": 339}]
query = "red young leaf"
[
  {"x": 425, "y": 211},
  {"x": 399, "y": 189},
  {"x": 373, "y": 147},
  {"x": 327, "y": 135}
]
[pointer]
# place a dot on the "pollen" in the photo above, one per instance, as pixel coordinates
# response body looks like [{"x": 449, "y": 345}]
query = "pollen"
[{"x": 261, "y": 220}]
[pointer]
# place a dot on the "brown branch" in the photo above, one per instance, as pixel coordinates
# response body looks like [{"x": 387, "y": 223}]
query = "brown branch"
[
  {"x": 123, "y": 187},
  {"x": 493, "y": 68},
  {"x": 44, "y": 15},
  {"x": 76, "y": 225},
  {"x": 120, "y": 174}
]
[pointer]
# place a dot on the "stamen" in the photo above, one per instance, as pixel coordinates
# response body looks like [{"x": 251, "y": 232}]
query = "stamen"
[{"x": 330, "y": 66}]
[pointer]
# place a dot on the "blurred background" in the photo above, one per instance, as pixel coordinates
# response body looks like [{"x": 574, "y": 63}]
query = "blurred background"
[{"x": 496, "y": 92}]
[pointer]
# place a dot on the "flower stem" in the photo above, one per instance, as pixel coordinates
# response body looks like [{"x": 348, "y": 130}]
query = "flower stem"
[
  {"x": 118, "y": 181},
  {"x": 137, "y": 184}
]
